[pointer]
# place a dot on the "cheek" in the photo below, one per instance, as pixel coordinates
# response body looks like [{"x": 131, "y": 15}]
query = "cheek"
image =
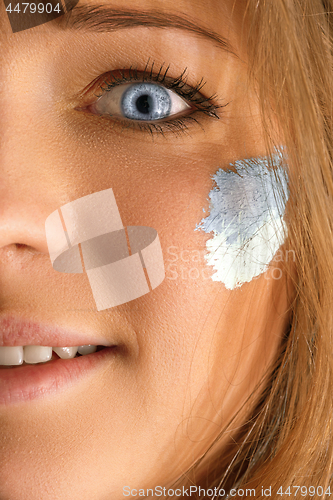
[{"x": 189, "y": 322}]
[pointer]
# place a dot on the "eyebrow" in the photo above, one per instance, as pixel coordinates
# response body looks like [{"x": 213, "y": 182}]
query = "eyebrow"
[{"x": 103, "y": 19}]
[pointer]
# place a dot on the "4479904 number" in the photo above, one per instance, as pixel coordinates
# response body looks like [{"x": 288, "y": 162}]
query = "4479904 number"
[{"x": 34, "y": 8}]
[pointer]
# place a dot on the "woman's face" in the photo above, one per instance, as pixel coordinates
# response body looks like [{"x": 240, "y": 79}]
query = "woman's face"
[{"x": 189, "y": 352}]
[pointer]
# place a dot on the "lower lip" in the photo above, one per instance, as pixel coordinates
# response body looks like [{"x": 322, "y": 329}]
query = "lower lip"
[{"x": 28, "y": 382}]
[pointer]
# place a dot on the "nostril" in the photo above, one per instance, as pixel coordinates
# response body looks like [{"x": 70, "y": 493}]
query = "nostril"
[
  {"x": 17, "y": 252},
  {"x": 21, "y": 247}
]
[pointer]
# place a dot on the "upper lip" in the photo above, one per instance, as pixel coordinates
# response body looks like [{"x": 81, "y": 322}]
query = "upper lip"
[{"x": 15, "y": 331}]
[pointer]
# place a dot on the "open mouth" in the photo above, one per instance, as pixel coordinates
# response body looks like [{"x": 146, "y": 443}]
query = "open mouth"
[
  {"x": 32, "y": 369},
  {"x": 29, "y": 381}
]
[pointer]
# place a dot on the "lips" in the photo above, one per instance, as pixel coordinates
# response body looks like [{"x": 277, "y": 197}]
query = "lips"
[
  {"x": 17, "y": 332},
  {"x": 30, "y": 381}
]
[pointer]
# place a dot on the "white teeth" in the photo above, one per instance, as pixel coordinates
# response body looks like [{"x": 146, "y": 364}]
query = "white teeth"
[
  {"x": 11, "y": 356},
  {"x": 86, "y": 349},
  {"x": 65, "y": 352},
  {"x": 37, "y": 354},
  {"x": 33, "y": 354}
]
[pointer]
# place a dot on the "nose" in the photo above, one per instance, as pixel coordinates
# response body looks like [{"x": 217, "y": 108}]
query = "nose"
[
  {"x": 21, "y": 222},
  {"x": 29, "y": 188}
]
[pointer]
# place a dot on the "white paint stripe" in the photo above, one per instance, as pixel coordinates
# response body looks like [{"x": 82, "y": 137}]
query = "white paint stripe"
[{"x": 246, "y": 218}]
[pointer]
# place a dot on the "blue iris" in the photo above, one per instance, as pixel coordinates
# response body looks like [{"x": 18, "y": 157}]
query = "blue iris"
[{"x": 146, "y": 101}]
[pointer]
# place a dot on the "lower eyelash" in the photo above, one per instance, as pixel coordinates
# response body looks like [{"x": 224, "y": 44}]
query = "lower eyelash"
[{"x": 178, "y": 126}]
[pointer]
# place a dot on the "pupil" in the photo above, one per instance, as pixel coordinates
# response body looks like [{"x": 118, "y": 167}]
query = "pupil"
[{"x": 143, "y": 104}]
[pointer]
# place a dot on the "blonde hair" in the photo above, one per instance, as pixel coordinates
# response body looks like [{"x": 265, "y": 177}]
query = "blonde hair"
[{"x": 287, "y": 441}]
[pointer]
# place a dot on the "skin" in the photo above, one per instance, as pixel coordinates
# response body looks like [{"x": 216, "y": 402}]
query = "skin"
[{"x": 191, "y": 351}]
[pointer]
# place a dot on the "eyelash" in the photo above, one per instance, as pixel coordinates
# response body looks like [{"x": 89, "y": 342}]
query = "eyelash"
[{"x": 208, "y": 106}]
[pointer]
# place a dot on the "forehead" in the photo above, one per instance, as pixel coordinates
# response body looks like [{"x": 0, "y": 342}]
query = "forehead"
[{"x": 215, "y": 17}]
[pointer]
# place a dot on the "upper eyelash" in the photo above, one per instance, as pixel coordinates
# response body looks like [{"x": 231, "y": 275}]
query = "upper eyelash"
[{"x": 207, "y": 105}]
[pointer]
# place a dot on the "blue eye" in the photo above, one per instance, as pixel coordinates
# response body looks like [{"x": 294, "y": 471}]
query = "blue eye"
[
  {"x": 146, "y": 101},
  {"x": 142, "y": 101},
  {"x": 151, "y": 101}
]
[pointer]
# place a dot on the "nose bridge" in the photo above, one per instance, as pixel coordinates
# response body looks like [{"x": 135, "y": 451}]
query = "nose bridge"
[{"x": 29, "y": 182}]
